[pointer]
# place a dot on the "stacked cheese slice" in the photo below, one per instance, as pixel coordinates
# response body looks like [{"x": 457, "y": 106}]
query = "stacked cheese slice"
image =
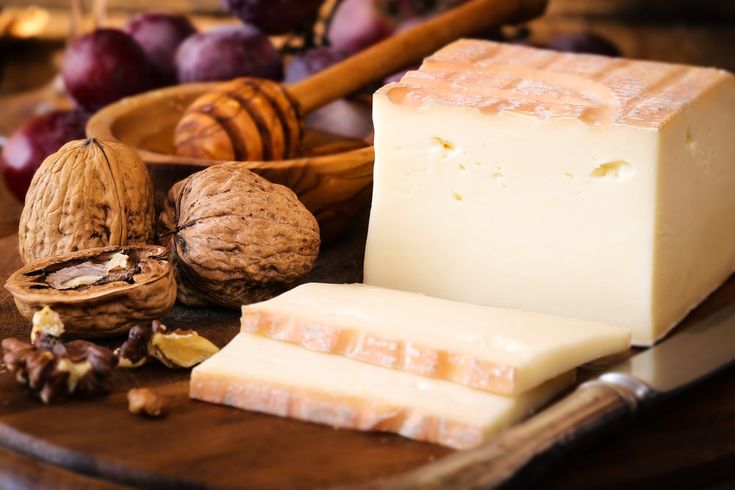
[{"x": 363, "y": 357}]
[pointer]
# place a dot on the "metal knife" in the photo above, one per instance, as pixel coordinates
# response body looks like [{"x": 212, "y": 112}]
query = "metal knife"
[{"x": 521, "y": 454}]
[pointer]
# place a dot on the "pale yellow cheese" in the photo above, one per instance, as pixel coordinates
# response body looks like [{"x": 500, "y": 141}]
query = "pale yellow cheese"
[
  {"x": 494, "y": 349},
  {"x": 279, "y": 378},
  {"x": 575, "y": 185}
]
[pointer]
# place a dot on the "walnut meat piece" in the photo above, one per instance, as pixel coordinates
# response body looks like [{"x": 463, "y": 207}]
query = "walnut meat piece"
[
  {"x": 235, "y": 238},
  {"x": 173, "y": 348},
  {"x": 90, "y": 193},
  {"x": 53, "y": 374},
  {"x": 47, "y": 328},
  {"x": 180, "y": 348},
  {"x": 134, "y": 351},
  {"x": 115, "y": 294},
  {"x": 145, "y": 401}
]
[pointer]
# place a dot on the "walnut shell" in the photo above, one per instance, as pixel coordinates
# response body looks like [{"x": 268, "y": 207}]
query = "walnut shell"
[
  {"x": 235, "y": 238},
  {"x": 103, "y": 303},
  {"x": 246, "y": 119},
  {"x": 89, "y": 194}
]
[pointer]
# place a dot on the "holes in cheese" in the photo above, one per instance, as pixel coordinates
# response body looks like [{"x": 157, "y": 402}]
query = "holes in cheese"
[
  {"x": 278, "y": 378},
  {"x": 442, "y": 143},
  {"x": 619, "y": 169},
  {"x": 638, "y": 243},
  {"x": 493, "y": 349}
]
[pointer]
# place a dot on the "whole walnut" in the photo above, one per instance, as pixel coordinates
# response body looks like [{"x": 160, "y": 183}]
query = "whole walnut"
[
  {"x": 89, "y": 194},
  {"x": 235, "y": 238}
]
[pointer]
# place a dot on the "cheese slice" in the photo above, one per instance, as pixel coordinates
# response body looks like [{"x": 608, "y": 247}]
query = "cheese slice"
[
  {"x": 577, "y": 185},
  {"x": 279, "y": 378},
  {"x": 494, "y": 349}
]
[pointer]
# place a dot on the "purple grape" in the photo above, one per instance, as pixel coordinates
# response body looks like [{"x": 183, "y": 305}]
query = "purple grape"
[
  {"x": 343, "y": 117},
  {"x": 273, "y": 16},
  {"x": 312, "y": 61},
  {"x": 228, "y": 52},
  {"x": 104, "y": 66},
  {"x": 357, "y": 24},
  {"x": 36, "y": 139},
  {"x": 160, "y": 34},
  {"x": 583, "y": 42}
]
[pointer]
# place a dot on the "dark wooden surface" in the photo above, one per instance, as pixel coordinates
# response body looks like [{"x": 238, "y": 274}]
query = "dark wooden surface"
[
  {"x": 198, "y": 444},
  {"x": 21, "y": 472},
  {"x": 689, "y": 443}
]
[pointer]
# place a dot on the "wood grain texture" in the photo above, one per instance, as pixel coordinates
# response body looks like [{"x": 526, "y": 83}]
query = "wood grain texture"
[
  {"x": 198, "y": 444},
  {"x": 10, "y": 212},
  {"x": 518, "y": 456},
  {"x": 689, "y": 443},
  {"x": 18, "y": 472}
]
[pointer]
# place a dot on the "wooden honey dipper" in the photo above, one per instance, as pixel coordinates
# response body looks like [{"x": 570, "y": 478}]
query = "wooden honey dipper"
[{"x": 252, "y": 119}]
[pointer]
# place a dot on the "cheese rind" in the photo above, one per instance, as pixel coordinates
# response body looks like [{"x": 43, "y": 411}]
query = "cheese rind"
[
  {"x": 495, "y": 78},
  {"x": 279, "y": 378},
  {"x": 579, "y": 186},
  {"x": 493, "y": 349}
]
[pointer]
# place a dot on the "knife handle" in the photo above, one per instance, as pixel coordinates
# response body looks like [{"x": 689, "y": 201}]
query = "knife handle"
[{"x": 518, "y": 456}]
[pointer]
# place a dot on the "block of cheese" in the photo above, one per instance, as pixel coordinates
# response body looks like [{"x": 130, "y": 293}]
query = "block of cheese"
[
  {"x": 494, "y": 349},
  {"x": 577, "y": 185},
  {"x": 264, "y": 375}
]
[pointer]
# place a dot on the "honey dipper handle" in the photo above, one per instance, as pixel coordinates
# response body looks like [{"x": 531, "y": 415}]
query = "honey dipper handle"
[{"x": 406, "y": 48}]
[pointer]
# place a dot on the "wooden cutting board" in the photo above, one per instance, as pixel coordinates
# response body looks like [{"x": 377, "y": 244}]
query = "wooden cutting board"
[{"x": 199, "y": 445}]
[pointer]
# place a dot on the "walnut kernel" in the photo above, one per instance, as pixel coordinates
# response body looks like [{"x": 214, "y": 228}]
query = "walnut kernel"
[
  {"x": 47, "y": 328},
  {"x": 53, "y": 374},
  {"x": 144, "y": 401},
  {"x": 174, "y": 349}
]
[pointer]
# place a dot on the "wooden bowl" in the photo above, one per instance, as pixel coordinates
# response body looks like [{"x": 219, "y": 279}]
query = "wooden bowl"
[{"x": 333, "y": 178}]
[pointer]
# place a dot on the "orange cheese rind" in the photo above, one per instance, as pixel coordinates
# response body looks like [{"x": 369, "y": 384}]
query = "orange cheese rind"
[
  {"x": 597, "y": 90},
  {"x": 397, "y": 354}
]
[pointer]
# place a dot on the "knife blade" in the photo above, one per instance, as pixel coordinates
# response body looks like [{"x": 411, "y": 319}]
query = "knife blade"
[
  {"x": 518, "y": 456},
  {"x": 686, "y": 357}
]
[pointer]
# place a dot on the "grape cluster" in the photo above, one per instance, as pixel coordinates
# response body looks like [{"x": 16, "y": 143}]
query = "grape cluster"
[{"x": 157, "y": 49}]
